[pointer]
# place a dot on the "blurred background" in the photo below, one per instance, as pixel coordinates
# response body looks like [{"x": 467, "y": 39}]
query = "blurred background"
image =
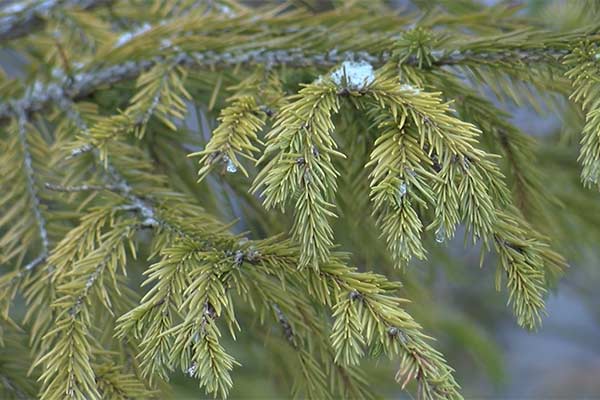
[{"x": 455, "y": 299}]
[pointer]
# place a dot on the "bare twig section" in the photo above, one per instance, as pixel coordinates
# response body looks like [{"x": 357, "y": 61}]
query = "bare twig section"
[
  {"x": 19, "y": 19},
  {"x": 35, "y": 262},
  {"x": 83, "y": 188},
  {"x": 31, "y": 189},
  {"x": 288, "y": 332}
]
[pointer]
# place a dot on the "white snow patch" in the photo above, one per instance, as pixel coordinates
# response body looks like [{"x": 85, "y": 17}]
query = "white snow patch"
[
  {"x": 437, "y": 54},
  {"x": 37, "y": 89},
  {"x": 358, "y": 74},
  {"x": 226, "y": 10},
  {"x": 410, "y": 88},
  {"x": 58, "y": 74},
  {"x": 127, "y": 36},
  {"x": 165, "y": 43}
]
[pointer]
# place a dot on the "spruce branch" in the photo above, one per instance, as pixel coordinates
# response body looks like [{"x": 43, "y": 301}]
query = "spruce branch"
[
  {"x": 302, "y": 167},
  {"x": 525, "y": 259},
  {"x": 113, "y": 383},
  {"x": 585, "y": 77},
  {"x": 334, "y": 281},
  {"x": 313, "y": 377},
  {"x": 419, "y": 360},
  {"x": 116, "y": 182},
  {"x": 241, "y": 121},
  {"x": 305, "y": 332},
  {"x": 529, "y": 193},
  {"x": 160, "y": 94},
  {"x": 70, "y": 343},
  {"x": 398, "y": 183},
  {"x": 452, "y": 141},
  {"x": 196, "y": 346},
  {"x": 155, "y": 314},
  {"x": 346, "y": 333},
  {"x": 265, "y": 254}
]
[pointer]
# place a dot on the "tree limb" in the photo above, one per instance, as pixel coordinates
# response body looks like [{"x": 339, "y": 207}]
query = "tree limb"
[{"x": 85, "y": 83}]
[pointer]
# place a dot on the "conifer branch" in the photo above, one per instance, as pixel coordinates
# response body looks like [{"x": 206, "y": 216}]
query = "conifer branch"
[
  {"x": 85, "y": 83},
  {"x": 257, "y": 98},
  {"x": 114, "y": 384},
  {"x": 398, "y": 331},
  {"x": 151, "y": 320},
  {"x": 373, "y": 293},
  {"x": 302, "y": 167},
  {"x": 584, "y": 73},
  {"x": 398, "y": 182},
  {"x": 235, "y": 136},
  {"x": 465, "y": 179},
  {"x": 303, "y": 330},
  {"x": 70, "y": 343}
]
